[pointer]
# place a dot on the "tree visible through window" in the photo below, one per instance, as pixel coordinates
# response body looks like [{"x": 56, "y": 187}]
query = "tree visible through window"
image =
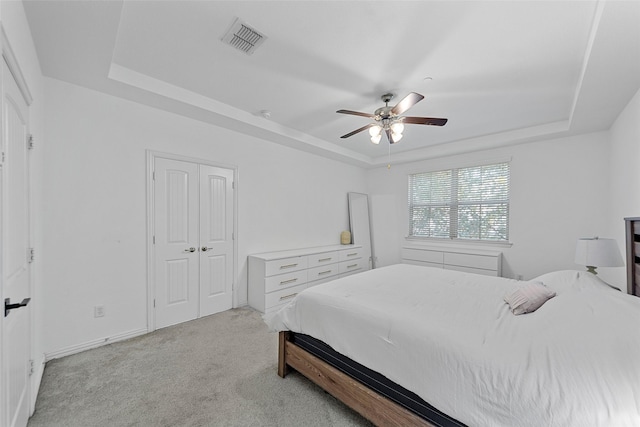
[{"x": 466, "y": 203}]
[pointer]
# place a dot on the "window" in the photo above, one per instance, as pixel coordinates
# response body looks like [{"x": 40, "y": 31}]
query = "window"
[{"x": 466, "y": 203}]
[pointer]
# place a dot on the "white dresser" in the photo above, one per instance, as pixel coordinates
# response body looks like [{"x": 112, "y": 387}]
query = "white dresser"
[
  {"x": 484, "y": 262},
  {"x": 276, "y": 277}
]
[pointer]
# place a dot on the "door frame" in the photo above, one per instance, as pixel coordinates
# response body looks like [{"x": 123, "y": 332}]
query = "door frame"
[{"x": 152, "y": 155}]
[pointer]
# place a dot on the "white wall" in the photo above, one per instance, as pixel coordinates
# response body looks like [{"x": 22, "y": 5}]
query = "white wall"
[
  {"x": 16, "y": 27},
  {"x": 624, "y": 200},
  {"x": 558, "y": 193},
  {"x": 95, "y": 204}
]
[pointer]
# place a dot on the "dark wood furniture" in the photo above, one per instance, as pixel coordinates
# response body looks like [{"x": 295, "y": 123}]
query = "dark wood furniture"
[
  {"x": 633, "y": 255},
  {"x": 368, "y": 393}
]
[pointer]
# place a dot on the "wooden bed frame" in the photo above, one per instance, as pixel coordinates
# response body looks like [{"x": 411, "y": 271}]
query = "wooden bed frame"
[{"x": 378, "y": 409}]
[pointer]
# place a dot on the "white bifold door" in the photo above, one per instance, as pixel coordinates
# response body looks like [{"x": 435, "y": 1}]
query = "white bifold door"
[{"x": 193, "y": 234}]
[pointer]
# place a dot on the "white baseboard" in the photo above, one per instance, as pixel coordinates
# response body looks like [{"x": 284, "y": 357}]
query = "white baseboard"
[{"x": 93, "y": 344}]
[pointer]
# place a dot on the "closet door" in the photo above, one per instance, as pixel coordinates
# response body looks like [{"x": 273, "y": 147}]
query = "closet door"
[
  {"x": 216, "y": 239},
  {"x": 176, "y": 241},
  {"x": 194, "y": 251}
]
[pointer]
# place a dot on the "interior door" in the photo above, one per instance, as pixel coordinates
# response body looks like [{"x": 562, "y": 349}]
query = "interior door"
[
  {"x": 176, "y": 241},
  {"x": 194, "y": 249},
  {"x": 216, "y": 239},
  {"x": 16, "y": 336}
]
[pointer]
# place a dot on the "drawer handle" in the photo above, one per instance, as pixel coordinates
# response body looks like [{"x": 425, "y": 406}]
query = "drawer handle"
[
  {"x": 353, "y": 254},
  {"x": 324, "y": 272},
  {"x": 288, "y": 296},
  {"x": 282, "y": 267},
  {"x": 352, "y": 265},
  {"x": 325, "y": 259},
  {"x": 289, "y": 281}
]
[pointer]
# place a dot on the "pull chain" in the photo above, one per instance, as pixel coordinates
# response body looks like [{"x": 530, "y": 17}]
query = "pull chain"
[{"x": 389, "y": 158}]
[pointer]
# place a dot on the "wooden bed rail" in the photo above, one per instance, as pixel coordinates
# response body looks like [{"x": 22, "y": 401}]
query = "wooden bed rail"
[{"x": 376, "y": 408}]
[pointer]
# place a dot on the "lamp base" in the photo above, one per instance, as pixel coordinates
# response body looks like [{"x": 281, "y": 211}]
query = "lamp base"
[{"x": 592, "y": 269}]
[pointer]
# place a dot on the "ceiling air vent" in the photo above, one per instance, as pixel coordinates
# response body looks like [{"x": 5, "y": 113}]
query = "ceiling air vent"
[{"x": 243, "y": 37}]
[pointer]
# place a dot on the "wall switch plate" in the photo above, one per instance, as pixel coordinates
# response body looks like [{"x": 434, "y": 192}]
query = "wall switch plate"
[{"x": 98, "y": 311}]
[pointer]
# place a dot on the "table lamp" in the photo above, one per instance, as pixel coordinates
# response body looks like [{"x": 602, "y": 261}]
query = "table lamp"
[{"x": 594, "y": 252}]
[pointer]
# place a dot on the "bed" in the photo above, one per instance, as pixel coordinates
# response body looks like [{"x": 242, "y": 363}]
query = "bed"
[{"x": 413, "y": 345}]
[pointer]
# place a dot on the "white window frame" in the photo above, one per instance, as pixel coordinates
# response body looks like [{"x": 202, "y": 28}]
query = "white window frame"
[{"x": 454, "y": 203}]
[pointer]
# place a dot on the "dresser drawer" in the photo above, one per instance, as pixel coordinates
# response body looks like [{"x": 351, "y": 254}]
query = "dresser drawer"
[
  {"x": 351, "y": 266},
  {"x": 282, "y": 281},
  {"x": 282, "y": 296},
  {"x": 470, "y": 260},
  {"x": 423, "y": 255},
  {"x": 349, "y": 254},
  {"x": 285, "y": 265},
  {"x": 323, "y": 271},
  {"x": 321, "y": 281},
  {"x": 323, "y": 258}
]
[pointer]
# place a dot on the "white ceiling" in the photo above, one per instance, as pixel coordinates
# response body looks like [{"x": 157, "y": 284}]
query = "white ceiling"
[{"x": 502, "y": 72}]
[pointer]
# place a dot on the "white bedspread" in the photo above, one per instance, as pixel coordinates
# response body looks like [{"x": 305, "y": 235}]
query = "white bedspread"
[{"x": 450, "y": 338}]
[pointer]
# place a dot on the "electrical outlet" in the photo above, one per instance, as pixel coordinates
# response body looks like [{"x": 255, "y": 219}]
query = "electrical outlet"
[{"x": 98, "y": 311}]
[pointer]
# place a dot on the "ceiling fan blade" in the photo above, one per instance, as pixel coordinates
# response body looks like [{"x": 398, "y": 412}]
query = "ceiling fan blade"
[
  {"x": 406, "y": 103},
  {"x": 356, "y": 113},
  {"x": 358, "y": 130},
  {"x": 424, "y": 121}
]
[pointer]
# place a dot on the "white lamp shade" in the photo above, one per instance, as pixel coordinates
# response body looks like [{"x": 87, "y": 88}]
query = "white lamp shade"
[
  {"x": 376, "y": 139},
  {"x": 598, "y": 252}
]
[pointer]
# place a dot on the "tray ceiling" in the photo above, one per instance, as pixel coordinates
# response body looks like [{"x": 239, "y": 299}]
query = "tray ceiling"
[{"x": 502, "y": 72}]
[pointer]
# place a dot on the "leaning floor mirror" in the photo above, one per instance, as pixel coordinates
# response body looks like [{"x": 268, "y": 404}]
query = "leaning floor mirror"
[{"x": 360, "y": 224}]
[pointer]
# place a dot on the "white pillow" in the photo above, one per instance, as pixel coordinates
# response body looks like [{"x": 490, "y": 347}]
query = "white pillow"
[
  {"x": 528, "y": 297},
  {"x": 572, "y": 281}
]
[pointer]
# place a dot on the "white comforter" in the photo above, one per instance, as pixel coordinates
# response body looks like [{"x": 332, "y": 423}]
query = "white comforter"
[{"x": 450, "y": 338}]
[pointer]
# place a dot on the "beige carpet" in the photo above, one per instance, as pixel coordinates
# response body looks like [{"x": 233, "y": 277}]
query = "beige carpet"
[{"x": 216, "y": 371}]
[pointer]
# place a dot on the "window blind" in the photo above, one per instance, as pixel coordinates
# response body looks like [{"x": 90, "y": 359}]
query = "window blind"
[{"x": 467, "y": 203}]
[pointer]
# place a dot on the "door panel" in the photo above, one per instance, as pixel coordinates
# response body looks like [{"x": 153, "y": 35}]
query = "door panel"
[
  {"x": 16, "y": 336},
  {"x": 216, "y": 239},
  {"x": 216, "y": 269},
  {"x": 177, "y": 281},
  {"x": 176, "y": 236}
]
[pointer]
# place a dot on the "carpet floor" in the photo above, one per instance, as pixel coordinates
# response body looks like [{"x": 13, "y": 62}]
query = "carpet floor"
[{"x": 219, "y": 370}]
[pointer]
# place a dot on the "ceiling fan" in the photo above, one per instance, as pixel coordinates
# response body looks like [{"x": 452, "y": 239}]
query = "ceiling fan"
[{"x": 389, "y": 119}]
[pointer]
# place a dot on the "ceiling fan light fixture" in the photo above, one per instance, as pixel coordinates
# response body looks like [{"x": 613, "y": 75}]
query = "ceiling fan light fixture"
[
  {"x": 376, "y": 138},
  {"x": 397, "y": 127},
  {"x": 396, "y": 137},
  {"x": 375, "y": 130}
]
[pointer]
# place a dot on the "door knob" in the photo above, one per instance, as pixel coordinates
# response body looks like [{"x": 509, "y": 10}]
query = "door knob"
[
  {"x": 190, "y": 250},
  {"x": 8, "y": 306},
  {"x": 205, "y": 249}
]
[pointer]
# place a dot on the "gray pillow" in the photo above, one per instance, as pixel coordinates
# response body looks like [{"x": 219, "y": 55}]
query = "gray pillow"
[{"x": 528, "y": 297}]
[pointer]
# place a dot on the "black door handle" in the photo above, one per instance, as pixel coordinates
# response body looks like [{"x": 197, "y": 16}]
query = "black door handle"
[{"x": 8, "y": 306}]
